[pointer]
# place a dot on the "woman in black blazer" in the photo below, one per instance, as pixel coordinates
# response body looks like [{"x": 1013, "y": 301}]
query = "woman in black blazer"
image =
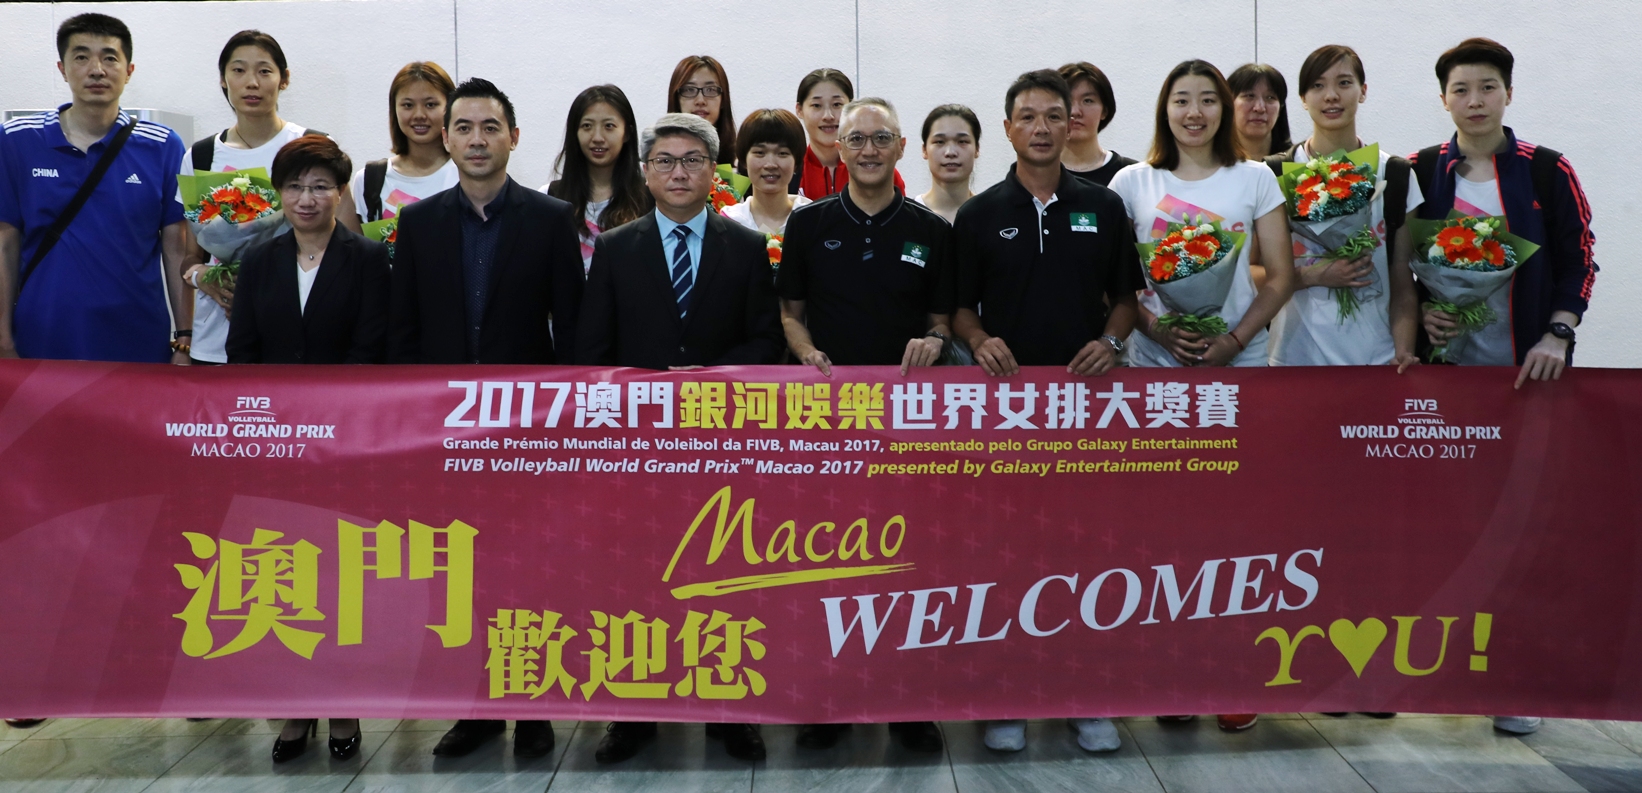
[
  {"x": 315, "y": 294},
  {"x": 319, "y": 292}
]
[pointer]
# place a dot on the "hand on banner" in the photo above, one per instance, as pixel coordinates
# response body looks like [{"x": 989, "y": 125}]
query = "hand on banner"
[
  {"x": 995, "y": 358},
  {"x": 178, "y": 358},
  {"x": 1096, "y": 358},
  {"x": 1545, "y": 361},
  {"x": 1403, "y": 360},
  {"x": 921, "y": 352},
  {"x": 819, "y": 360}
]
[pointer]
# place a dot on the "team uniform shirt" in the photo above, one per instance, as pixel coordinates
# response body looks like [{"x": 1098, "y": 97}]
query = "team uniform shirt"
[
  {"x": 1233, "y": 197},
  {"x": 210, "y": 322},
  {"x": 100, "y": 294},
  {"x": 1491, "y": 344},
  {"x": 399, "y": 189},
  {"x": 1108, "y": 168},
  {"x": 1308, "y": 331},
  {"x": 868, "y": 282},
  {"x": 1042, "y": 274}
]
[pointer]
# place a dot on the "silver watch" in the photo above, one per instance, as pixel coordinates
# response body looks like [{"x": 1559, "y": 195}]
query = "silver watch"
[{"x": 1117, "y": 343}]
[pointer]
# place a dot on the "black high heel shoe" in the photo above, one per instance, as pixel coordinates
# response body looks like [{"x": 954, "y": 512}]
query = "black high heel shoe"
[
  {"x": 290, "y": 750},
  {"x": 345, "y": 748}
]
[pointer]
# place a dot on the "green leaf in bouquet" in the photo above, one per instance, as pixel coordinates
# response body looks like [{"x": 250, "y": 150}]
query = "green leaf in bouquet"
[
  {"x": 1192, "y": 323},
  {"x": 1424, "y": 233},
  {"x": 220, "y": 275},
  {"x": 379, "y": 230},
  {"x": 199, "y": 184},
  {"x": 740, "y": 184}
]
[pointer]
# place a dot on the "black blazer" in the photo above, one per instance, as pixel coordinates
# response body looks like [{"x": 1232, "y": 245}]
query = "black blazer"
[
  {"x": 346, "y": 320},
  {"x": 535, "y": 283},
  {"x": 630, "y": 317}
]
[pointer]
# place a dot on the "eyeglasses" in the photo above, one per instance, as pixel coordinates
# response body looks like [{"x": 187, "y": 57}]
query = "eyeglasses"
[
  {"x": 882, "y": 139},
  {"x": 694, "y": 162},
  {"x": 709, "y": 91},
  {"x": 319, "y": 190}
]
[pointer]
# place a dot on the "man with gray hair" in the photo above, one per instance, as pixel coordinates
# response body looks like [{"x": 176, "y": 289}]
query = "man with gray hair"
[{"x": 680, "y": 288}]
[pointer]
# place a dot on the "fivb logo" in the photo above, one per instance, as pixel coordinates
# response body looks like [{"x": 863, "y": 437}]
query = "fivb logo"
[{"x": 252, "y": 403}]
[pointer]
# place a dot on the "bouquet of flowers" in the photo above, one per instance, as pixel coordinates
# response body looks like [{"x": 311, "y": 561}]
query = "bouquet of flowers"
[
  {"x": 228, "y": 213},
  {"x": 772, "y": 246},
  {"x": 385, "y": 231},
  {"x": 1463, "y": 261},
  {"x": 1191, "y": 269},
  {"x": 1331, "y": 204},
  {"x": 729, "y": 188}
]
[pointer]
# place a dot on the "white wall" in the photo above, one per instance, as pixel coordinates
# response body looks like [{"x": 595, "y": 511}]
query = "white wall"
[{"x": 1574, "y": 78}]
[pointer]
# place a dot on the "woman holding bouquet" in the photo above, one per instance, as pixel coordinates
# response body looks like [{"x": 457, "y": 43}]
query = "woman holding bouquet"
[
  {"x": 767, "y": 147},
  {"x": 1195, "y": 183},
  {"x": 252, "y": 73},
  {"x": 419, "y": 165},
  {"x": 318, "y": 294},
  {"x": 1358, "y": 307},
  {"x": 599, "y": 165}
]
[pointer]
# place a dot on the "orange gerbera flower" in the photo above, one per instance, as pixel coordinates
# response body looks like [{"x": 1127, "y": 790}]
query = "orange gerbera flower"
[
  {"x": 1456, "y": 238},
  {"x": 1202, "y": 248},
  {"x": 1339, "y": 188},
  {"x": 1309, "y": 183},
  {"x": 256, "y": 202},
  {"x": 1493, "y": 252},
  {"x": 1163, "y": 266},
  {"x": 226, "y": 194},
  {"x": 208, "y": 211}
]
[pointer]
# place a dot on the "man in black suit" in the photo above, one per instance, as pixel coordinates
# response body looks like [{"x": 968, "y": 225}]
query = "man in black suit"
[
  {"x": 679, "y": 288},
  {"x": 485, "y": 272},
  {"x": 488, "y": 271}
]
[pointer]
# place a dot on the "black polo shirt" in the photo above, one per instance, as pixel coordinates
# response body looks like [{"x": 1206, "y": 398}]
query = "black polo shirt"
[
  {"x": 868, "y": 282},
  {"x": 1042, "y": 282}
]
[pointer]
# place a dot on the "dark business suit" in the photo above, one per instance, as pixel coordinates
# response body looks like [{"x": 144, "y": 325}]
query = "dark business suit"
[
  {"x": 535, "y": 283},
  {"x": 629, "y": 315},
  {"x": 346, "y": 318}
]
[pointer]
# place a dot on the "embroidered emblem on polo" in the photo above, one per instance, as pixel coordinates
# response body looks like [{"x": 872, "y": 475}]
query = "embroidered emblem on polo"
[
  {"x": 1084, "y": 221},
  {"x": 132, "y": 179},
  {"x": 915, "y": 253},
  {"x": 1009, "y": 234},
  {"x": 833, "y": 245}
]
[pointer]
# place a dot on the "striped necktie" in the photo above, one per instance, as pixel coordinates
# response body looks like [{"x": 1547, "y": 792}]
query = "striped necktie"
[{"x": 682, "y": 280}]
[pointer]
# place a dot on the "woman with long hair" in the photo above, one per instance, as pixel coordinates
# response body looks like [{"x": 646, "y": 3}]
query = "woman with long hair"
[{"x": 599, "y": 165}]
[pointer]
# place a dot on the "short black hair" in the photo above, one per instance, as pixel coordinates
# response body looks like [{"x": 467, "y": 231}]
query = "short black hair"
[
  {"x": 93, "y": 25},
  {"x": 1084, "y": 70},
  {"x": 958, "y": 111},
  {"x": 1486, "y": 52},
  {"x": 310, "y": 151},
  {"x": 479, "y": 88},
  {"x": 1043, "y": 80},
  {"x": 251, "y": 38}
]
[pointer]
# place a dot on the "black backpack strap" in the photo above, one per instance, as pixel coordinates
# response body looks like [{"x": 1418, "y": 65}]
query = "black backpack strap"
[
  {"x": 203, "y": 152},
  {"x": 317, "y": 132},
  {"x": 376, "y": 173},
  {"x": 1425, "y": 167},
  {"x": 1397, "y": 172},
  {"x": 54, "y": 233},
  {"x": 1275, "y": 162}
]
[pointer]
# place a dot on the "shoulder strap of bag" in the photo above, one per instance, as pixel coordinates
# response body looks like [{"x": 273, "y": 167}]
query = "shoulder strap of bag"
[
  {"x": 376, "y": 173},
  {"x": 1275, "y": 162},
  {"x": 1425, "y": 167},
  {"x": 1543, "y": 167},
  {"x": 203, "y": 152},
  {"x": 1397, "y": 172},
  {"x": 60, "y": 225}
]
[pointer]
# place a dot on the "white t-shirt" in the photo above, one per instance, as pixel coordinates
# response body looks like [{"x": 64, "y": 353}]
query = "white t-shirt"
[
  {"x": 1308, "y": 331},
  {"x": 1234, "y": 196},
  {"x": 1490, "y": 346},
  {"x": 305, "y": 284},
  {"x": 210, "y": 323},
  {"x": 743, "y": 213},
  {"x": 399, "y": 189}
]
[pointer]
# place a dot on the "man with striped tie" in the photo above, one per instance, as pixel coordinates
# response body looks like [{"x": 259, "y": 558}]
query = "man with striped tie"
[{"x": 683, "y": 286}]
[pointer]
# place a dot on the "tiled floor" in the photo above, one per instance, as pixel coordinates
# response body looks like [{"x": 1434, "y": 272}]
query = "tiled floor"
[{"x": 1285, "y": 752}]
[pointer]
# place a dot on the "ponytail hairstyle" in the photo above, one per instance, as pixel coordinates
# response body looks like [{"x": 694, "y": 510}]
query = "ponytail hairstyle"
[{"x": 252, "y": 38}]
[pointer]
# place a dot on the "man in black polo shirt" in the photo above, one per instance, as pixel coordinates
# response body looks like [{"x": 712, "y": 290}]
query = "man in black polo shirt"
[
  {"x": 1047, "y": 265},
  {"x": 865, "y": 276},
  {"x": 865, "y": 280},
  {"x": 1047, "y": 274}
]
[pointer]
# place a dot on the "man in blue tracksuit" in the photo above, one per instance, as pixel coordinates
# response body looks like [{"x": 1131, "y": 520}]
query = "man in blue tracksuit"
[{"x": 1485, "y": 170}]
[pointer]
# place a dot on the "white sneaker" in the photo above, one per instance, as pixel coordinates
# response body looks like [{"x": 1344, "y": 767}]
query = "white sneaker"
[
  {"x": 1517, "y": 725},
  {"x": 1096, "y": 735},
  {"x": 1006, "y": 736}
]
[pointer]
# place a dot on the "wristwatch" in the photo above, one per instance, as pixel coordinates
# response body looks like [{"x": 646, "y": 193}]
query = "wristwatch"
[
  {"x": 945, "y": 340},
  {"x": 1117, "y": 343},
  {"x": 1562, "y": 331}
]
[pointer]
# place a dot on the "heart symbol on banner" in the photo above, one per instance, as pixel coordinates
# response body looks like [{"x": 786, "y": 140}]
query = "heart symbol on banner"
[{"x": 1357, "y": 642}]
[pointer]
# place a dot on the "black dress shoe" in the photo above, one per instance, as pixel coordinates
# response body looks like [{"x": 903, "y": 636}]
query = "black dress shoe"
[
  {"x": 918, "y": 736},
  {"x": 820, "y": 736},
  {"x": 467, "y": 735},
  {"x": 1336, "y": 715},
  {"x": 742, "y": 741},
  {"x": 23, "y": 724},
  {"x": 344, "y": 748},
  {"x": 1379, "y": 715},
  {"x": 623, "y": 739},
  {"x": 533, "y": 739},
  {"x": 290, "y": 750}
]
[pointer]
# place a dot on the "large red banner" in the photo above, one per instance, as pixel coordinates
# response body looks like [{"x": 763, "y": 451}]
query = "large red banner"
[{"x": 766, "y": 544}]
